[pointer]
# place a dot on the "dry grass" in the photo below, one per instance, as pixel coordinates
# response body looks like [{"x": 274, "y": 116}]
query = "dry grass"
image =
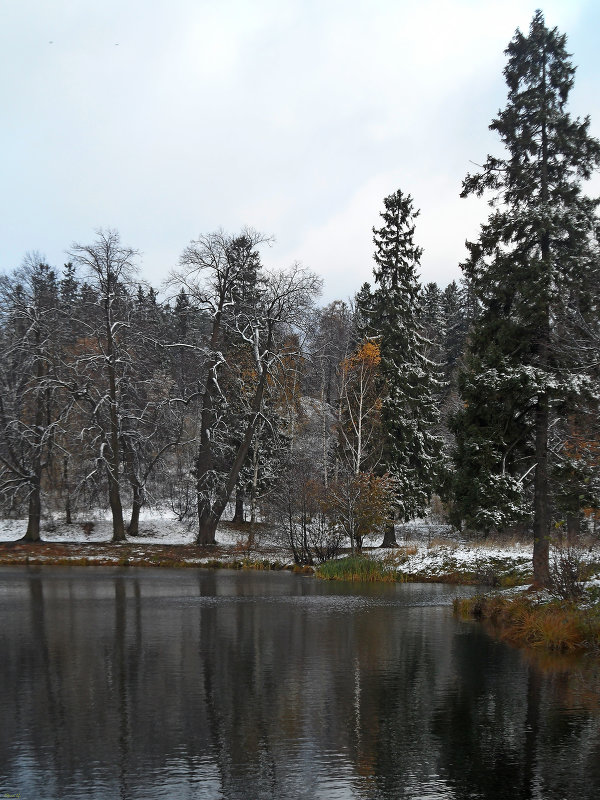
[
  {"x": 500, "y": 542},
  {"x": 408, "y": 550},
  {"x": 553, "y": 626},
  {"x": 439, "y": 541}
]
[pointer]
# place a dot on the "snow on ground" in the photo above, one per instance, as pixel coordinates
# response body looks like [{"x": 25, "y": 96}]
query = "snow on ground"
[
  {"x": 425, "y": 548},
  {"x": 155, "y": 527},
  {"x": 444, "y": 559}
]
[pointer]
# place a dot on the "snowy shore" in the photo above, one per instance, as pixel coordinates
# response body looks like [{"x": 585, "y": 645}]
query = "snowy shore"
[{"x": 426, "y": 551}]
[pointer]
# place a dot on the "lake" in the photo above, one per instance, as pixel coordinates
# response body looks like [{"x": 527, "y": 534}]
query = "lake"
[{"x": 191, "y": 683}]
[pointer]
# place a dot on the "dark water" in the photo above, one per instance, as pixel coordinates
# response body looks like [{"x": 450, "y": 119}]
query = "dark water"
[{"x": 197, "y": 684}]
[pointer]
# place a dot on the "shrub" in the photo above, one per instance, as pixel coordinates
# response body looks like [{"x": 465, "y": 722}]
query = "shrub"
[{"x": 567, "y": 574}]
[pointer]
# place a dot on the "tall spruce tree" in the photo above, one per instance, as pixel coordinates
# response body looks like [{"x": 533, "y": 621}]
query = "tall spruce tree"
[
  {"x": 532, "y": 253},
  {"x": 409, "y": 415},
  {"x": 455, "y": 324}
]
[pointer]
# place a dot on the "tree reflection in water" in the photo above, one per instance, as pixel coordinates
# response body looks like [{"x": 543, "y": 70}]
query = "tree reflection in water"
[{"x": 191, "y": 683}]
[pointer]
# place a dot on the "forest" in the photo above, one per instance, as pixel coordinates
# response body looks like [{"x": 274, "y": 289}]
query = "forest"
[{"x": 230, "y": 387}]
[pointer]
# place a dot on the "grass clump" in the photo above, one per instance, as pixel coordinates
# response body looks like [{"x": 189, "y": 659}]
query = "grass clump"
[
  {"x": 553, "y": 625},
  {"x": 303, "y": 569},
  {"x": 356, "y": 568}
]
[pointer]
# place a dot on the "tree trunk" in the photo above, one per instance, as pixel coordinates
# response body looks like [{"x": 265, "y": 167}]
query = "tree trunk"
[
  {"x": 114, "y": 491},
  {"x": 207, "y": 524},
  {"x": 32, "y": 534},
  {"x": 68, "y": 520},
  {"x": 137, "y": 502},
  {"x": 114, "y": 499},
  {"x": 541, "y": 506},
  {"x": 389, "y": 536},
  {"x": 209, "y": 513},
  {"x": 541, "y": 510},
  {"x": 207, "y": 521},
  {"x": 254, "y": 487},
  {"x": 137, "y": 487},
  {"x": 238, "y": 517}
]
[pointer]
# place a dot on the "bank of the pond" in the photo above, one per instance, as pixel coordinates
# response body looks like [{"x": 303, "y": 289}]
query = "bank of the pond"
[
  {"x": 535, "y": 619},
  {"x": 436, "y": 565},
  {"x": 102, "y": 554},
  {"x": 420, "y": 557}
]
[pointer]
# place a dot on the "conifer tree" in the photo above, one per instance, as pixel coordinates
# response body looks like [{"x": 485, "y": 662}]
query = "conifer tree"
[
  {"x": 409, "y": 415},
  {"x": 455, "y": 323},
  {"x": 434, "y": 330},
  {"x": 532, "y": 253}
]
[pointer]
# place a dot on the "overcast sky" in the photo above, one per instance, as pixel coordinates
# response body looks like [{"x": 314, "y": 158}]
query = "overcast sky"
[{"x": 170, "y": 118}]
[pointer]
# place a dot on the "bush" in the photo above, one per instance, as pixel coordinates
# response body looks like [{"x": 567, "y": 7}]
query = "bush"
[{"x": 567, "y": 575}]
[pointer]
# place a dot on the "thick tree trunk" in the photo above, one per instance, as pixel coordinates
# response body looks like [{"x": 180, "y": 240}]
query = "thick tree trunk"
[
  {"x": 114, "y": 491},
  {"x": 238, "y": 517},
  {"x": 541, "y": 505},
  {"x": 541, "y": 509},
  {"x": 114, "y": 499},
  {"x": 32, "y": 534},
  {"x": 207, "y": 525},
  {"x": 209, "y": 513},
  {"x": 138, "y": 500},
  {"x": 389, "y": 536},
  {"x": 68, "y": 517},
  {"x": 137, "y": 489}
]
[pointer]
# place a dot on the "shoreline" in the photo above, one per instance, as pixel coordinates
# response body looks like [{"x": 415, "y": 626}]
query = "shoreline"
[{"x": 218, "y": 556}]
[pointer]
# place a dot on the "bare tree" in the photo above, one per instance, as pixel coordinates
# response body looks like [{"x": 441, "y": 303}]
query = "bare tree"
[
  {"x": 109, "y": 267},
  {"x": 250, "y": 312},
  {"x": 30, "y": 408}
]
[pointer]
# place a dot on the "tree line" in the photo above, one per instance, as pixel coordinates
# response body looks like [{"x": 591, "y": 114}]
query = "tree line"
[{"x": 338, "y": 421}]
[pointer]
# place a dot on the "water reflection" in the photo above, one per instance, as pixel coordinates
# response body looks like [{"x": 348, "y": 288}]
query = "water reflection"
[{"x": 156, "y": 683}]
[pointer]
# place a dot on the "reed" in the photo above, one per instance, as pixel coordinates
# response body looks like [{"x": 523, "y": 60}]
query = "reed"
[
  {"x": 554, "y": 625},
  {"x": 356, "y": 568}
]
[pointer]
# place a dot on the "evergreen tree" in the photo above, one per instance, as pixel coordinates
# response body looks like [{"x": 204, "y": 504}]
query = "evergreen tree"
[
  {"x": 434, "y": 330},
  {"x": 532, "y": 253},
  {"x": 360, "y": 320},
  {"x": 431, "y": 302},
  {"x": 409, "y": 414},
  {"x": 455, "y": 323}
]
